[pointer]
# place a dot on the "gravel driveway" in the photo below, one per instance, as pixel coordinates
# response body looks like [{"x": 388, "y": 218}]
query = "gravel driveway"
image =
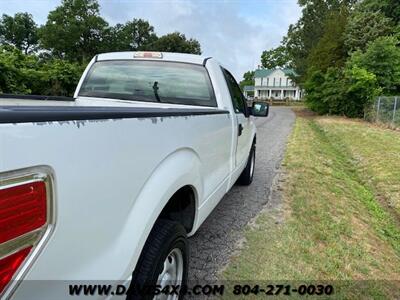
[{"x": 216, "y": 239}]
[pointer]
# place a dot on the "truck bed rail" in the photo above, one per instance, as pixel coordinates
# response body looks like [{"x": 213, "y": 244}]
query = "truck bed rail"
[
  {"x": 23, "y": 114},
  {"x": 36, "y": 97}
]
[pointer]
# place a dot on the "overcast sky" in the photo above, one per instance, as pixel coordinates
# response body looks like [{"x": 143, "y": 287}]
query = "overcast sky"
[{"x": 233, "y": 31}]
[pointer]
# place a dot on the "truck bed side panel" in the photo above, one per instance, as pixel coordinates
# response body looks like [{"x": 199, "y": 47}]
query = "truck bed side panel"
[{"x": 101, "y": 167}]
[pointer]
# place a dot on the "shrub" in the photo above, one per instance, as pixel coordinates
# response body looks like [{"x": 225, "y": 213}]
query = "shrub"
[
  {"x": 382, "y": 58},
  {"x": 361, "y": 87},
  {"x": 27, "y": 74},
  {"x": 324, "y": 91},
  {"x": 11, "y": 74},
  {"x": 346, "y": 92}
]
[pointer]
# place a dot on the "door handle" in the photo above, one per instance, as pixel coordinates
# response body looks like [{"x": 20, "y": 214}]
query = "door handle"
[{"x": 240, "y": 129}]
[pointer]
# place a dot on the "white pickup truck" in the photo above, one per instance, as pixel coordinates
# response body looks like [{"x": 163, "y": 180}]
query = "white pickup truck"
[{"x": 109, "y": 184}]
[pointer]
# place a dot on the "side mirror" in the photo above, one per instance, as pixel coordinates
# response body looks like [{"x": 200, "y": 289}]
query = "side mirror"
[{"x": 260, "y": 109}]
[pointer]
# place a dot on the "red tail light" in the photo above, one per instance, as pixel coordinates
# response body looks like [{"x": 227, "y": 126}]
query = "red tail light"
[
  {"x": 22, "y": 209},
  {"x": 10, "y": 264},
  {"x": 23, "y": 220}
]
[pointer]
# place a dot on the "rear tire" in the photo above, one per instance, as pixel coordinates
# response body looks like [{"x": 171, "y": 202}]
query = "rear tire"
[
  {"x": 164, "y": 260},
  {"x": 246, "y": 178}
]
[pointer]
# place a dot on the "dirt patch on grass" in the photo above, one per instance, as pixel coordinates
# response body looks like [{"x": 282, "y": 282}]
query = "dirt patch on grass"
[{"x": 304, "y": 112}]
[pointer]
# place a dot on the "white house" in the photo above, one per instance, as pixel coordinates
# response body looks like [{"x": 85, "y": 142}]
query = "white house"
[{"x": 275, "y": 84}]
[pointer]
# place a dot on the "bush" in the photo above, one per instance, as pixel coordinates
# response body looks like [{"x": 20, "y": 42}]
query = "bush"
[
  {"x": 27, "y": 74},
  {"x": 61, "y": 77},
  {"x": 361, "y": 87},
  {"x": 11, "y": 74},
  {"x": 324, "y": 91},
  {"x": 346, "y": 92},
  {"x": 382, "y": 58}
]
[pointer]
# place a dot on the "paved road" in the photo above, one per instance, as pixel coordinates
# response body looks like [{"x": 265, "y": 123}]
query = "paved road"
[{"x": 215, "y": 241}]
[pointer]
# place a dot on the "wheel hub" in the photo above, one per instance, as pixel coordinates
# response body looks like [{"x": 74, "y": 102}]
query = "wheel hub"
[{"x": 171, "y": 274}]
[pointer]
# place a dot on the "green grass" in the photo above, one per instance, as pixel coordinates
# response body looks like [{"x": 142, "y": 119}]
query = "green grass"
[
  {"x": 376, "y": 153},
  {"x": 335, "y": 225}
]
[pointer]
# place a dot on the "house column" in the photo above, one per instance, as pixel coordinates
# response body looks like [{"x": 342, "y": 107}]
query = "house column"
[{"x": 281, "y": 94}]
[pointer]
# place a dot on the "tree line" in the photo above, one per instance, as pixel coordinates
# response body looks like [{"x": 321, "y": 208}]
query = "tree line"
[
  {"x": 345, "y": 53},
  {"x": 50, "y": 59}
]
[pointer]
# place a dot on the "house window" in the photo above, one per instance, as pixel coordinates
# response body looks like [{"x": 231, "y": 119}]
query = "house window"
[
  {"x": 274, "y": 81},
  {"x": 287, "y": 81},
  {"x": 280, "y": 81},
  {"x": 267, "y": 81},
  {"x": 261, "y": 81}
]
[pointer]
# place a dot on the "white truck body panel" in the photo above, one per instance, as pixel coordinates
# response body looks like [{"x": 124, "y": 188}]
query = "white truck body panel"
[{"x": 113, "y": 177}]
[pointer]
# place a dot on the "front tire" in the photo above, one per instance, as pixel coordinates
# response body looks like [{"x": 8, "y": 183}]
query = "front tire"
[
  {"x": 164, "y": 260},
  {"x": 246, "y": 178}
]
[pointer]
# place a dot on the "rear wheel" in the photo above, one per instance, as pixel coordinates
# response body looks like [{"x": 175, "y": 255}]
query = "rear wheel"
[
  {"x": 164, "y": 261},
  {"x": 246, "y": 177}
]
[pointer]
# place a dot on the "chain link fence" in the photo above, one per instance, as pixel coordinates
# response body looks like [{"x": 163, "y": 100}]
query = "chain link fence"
[{"x": 385, "y": 110}]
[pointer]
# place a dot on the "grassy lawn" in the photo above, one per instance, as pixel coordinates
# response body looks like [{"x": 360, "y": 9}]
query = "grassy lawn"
[
  {"x": 377, "y": 154},
  {"x": 340, "y": 212}
]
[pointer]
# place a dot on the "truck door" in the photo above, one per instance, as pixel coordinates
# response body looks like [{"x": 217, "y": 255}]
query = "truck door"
[{"x": 243, "y": 130}]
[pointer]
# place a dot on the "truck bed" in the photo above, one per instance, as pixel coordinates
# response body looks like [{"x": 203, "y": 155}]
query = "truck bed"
[{"x": 108, "y": 155}]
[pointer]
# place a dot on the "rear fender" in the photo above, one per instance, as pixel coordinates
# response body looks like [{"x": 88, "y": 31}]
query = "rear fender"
[{"x": 179, "y": 169}]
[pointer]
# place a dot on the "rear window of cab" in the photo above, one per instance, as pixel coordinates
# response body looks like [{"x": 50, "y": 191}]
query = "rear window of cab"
[{"x": 150, "y": 81}]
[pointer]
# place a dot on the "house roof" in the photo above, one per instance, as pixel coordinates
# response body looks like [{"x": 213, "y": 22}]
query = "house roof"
[
  {"x": 266, "y": 72},
  {"x": 262, "y": 72},
  {"x": 289, "y": 71},
  {"x": 248, "y": 88}
]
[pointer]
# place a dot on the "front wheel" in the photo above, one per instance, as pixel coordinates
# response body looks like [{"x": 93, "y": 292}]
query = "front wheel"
[
  {"x": 164, "y": 261},
  {"x": 246, "y": 177}
]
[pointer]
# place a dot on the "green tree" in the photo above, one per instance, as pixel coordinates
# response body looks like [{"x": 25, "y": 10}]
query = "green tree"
[
  {"x": 248, "y": 79},
  {"x": 364, "y": 27},
  {"x": 277, "y": 57},
  {"x": 381, "y": 58},
  {"x": 314, "y": 92},
  {"x": 11, "y": 76},
  {"x": 360, "y": 88},
  {"x": 175, "y": 42},
  {"x": 346, "y": 52},
  {"x": 330, "y": 50},
  {"x": 60, "y": 77},
  {"x": 19, "y": 31},
  {"x": 390, "y": 8},
  {"x": 303, "y": 36},
  {"x": 74, "y": 30},
  {"x": 332, "y": 91},
  {"x": 27, "y": 74},
  {"x": 343, "y": 92},
  {"x": 324, "y": 91},
  {"x": 133, "y": 35}
]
